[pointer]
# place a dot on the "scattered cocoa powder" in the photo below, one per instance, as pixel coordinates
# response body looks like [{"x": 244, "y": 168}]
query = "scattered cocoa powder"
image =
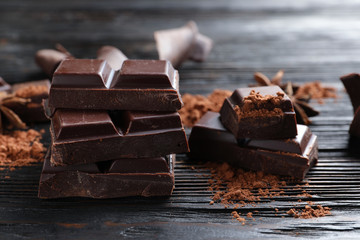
[
  {"x": 239, "y": 184},
  {"x": 309, "y": 212},
  {"x": 20, "y": 148},
  {"x": 239, "y": 187},
  {"x": 236, "y": 215},
  {"x": 195, "y": 106},
  {"x": 316, "y": 91}
]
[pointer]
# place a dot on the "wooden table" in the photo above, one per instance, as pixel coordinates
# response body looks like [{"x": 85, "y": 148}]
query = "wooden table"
[{"x": 310, "y": 40}]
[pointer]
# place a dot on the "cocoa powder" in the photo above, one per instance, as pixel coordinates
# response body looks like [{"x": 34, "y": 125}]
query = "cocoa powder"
[
  {"x": 253, "y": 105},
  {"x": 239, "y": 188},
  {"x": 316, "y": 91},
  {"x": 31, "y": 91},
  {"x": 20, "y": 148},
  {"x": 309, "y": 212},
  {"x": 195, "y": 106}
]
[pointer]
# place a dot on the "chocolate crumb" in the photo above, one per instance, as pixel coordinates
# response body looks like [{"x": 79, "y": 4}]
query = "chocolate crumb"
[{"x": 309, "y": 212}]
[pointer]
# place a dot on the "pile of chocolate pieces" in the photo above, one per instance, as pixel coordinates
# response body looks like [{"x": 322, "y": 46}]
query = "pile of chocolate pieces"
[
  {"x": 256, "y": 129},
  {"x": 114, "y": 132}
]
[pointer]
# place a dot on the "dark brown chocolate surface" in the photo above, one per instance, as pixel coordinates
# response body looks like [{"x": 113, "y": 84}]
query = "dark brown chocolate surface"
[
  {"x": 355, "y": 124},
  {"x": 146, "y": 85},
  {"x": 118, "y": 178},
  {"x": 260, "y": 127},
  {"x": 210, "y": 141},
  {"x": 352, "y": 86},
  {"x": 86, "y": 136}
]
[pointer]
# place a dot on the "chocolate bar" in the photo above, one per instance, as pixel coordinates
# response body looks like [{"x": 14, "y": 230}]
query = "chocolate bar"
[
  {"x": 85, "y": 136},
  {"x": 146, "y": 85},
  {"x": 112, "y": 179},
  {"x": 259, "y": 113},
  {"x": 35, "y": 91},
  {"x": 355, "y": 124},
  {"x": 352, "y": 86},
  {"x": 210, "y": 141}
]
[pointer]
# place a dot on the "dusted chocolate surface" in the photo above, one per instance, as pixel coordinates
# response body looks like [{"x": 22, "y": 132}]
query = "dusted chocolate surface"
[
  {"x": 146, "y": 85},
  {"x": 269, "y": 116},
  {"x": 210, "y": 141},
  {"x": 113, "y": 179},
  {"x": 86, "y": 136}
]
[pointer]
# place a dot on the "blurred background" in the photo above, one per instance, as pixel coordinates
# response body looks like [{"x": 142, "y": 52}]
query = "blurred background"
[{"x": 310, "y": 40}]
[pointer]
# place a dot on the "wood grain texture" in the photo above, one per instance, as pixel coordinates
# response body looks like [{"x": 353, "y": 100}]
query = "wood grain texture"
[{"x": 310, "y": 40}]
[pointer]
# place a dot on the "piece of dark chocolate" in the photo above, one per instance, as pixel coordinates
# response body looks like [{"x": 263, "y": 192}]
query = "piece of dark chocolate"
[
  {"x": 84, "y": 136},
  {"x": 210, "y": 141},
  {"x": 145, "y": 85},
  {"x": 113, "y": 179},
  {"x": 35, "y": 92},
  {"x": 49, "y": 59},
  {"x": 352, "y": 86},
  {"x": 355, "y": 124},
  {"x": 180, "y": 44},
  {"x": 259, "y": 113},
  {"x": 113, "y": 56}
]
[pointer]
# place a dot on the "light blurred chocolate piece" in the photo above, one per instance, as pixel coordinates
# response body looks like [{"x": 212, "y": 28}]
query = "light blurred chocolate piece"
[
  {"x": 180, "y": 44},
  {"x": 112, "y": 55},
  {"x": 48, "y": 60},
  {"x": 201, "y": 48}
]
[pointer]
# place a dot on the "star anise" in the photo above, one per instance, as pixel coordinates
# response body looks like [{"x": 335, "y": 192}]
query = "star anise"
[
  {"x": 10, "y": 117},
  {"x": 302, "y": 108}
]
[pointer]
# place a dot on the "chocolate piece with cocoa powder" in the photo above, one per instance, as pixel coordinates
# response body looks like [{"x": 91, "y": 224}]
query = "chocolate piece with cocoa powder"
[
  {"x": 259, "y": 113},
  {"x": 145, "y": 85},
  {"x": 112, "y": 179},
  {"x": 210, "y": 141}
]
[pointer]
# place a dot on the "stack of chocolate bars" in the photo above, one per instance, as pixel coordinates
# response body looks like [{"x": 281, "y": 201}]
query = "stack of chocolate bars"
[
  {"x": 256, "y": 129},
  {"x": 114, "y": 132}
]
